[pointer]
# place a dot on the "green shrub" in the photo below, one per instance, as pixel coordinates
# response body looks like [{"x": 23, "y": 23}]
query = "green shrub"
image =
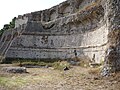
[
  {"x": 61, "y": 65},
  {"x": 8, "y": 26}
]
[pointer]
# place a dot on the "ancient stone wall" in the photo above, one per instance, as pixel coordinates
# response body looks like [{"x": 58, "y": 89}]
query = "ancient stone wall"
[
  {"x": 60, "y": 46},
  {"x": 20, "y": 21},
  {"x": 74, "y": 25},
  {"x": 7, "y": 39}
]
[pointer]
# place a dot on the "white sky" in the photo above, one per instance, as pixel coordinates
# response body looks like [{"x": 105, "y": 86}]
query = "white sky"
[{"x": 13, "y": 8}]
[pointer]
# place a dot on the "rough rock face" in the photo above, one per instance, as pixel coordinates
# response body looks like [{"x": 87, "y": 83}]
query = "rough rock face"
[
  {"x": 82, "y": 28},
  {"x": 113, "y": 24}
]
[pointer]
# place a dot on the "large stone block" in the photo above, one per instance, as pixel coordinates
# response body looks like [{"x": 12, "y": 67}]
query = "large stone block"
[{"x": 14, "y": 69}]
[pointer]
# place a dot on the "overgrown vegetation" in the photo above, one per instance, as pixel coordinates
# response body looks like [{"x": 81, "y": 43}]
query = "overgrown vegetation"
[
  {"x": 56, "y": 64},
  {"x": 8, "y": 26}
]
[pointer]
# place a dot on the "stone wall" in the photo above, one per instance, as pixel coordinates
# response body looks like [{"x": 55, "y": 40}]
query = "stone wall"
[
  {"x": 7, "y": 39},
  {"x": 60, "y": 46},
  {"x": 20, "y": 21},
  {"x": 74, "y": 25},
  {"x": 58, "y": 31}
]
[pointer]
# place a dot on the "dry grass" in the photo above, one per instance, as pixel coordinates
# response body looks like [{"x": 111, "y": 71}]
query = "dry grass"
[
  {"x": 77, "y": 78},
  {"x": 95, "y": 70},
  {"x": 12, "y": 82}
]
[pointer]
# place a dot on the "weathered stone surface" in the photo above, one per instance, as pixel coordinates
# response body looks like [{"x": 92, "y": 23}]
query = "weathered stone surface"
[
  {"x": 71, "y": 29},
  {"x": 112, "y": 60},
  {"x": 14, "y": 69},
  {"x": 87, "y": 26}
]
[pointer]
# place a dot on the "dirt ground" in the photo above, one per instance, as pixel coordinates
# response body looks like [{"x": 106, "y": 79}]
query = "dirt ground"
[{"x": 77, "y": 78}]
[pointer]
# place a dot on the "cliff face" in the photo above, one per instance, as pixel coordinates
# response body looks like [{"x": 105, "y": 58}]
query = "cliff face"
[
  {"x": 113, "y": 24},
  {"x": 73, "y": 28}
]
